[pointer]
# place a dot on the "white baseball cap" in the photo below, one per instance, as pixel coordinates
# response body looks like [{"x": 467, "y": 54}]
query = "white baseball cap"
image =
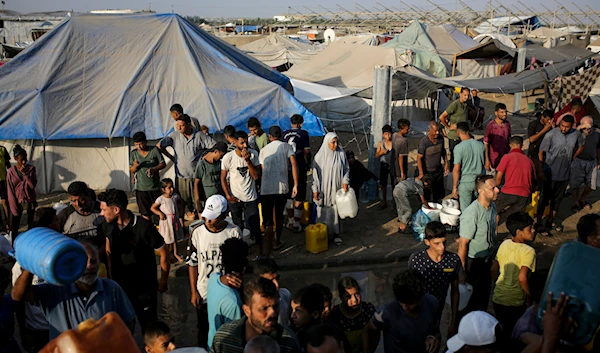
[
  {"x": 215, "y": 206},
  {"x": 476, "y": 329}
]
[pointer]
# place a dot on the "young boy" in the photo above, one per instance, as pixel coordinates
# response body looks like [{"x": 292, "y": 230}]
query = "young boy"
[
  {"x": 403, "y": 189},
  {"x": 514, "y": 260},
  {"x": 327, "y": 298},
  {"x": 224, "y": 301},
  {"x": 206, "y": 256},
  {"x": 267, "y": 268},
  {"x": 158, "y": 338},
  {"x": 258, "y": 138},
  {"x": 385, "y": 154},
  {"x": 145, "y": 163},
  {"x": 300, "y": 142},
  {"x": 440, "y": 268},
  {"x": 207, "y": 177},
  {"x": 307, "y": 307},
  {"x": 229, "y": 134}
]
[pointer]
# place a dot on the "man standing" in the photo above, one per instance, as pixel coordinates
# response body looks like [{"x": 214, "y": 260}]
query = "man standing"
[
  {"x": 454, "y": 114},
  {"x": 400, "y": 147},
  {"x": 574, "y": 108},
  {"x": 145, "y": 162},
  {"x": 536, "y": 130},
  {"x": 177, "y": 111},
  {"x": 257, "y": 139},
  {"x": 519, "y": 173},
  {"x": 189, "y": 145},
  {"x": 207, "y": 178},
  {"x": 81, "y": 219},
  {"x": 300, "y": 142},
  {"x": 430, "y": 154},
  {"x": 558, "y": 149},
  {"x": 66, "y": 306},
  {"x": 4, "y": 165},
  {"x": 132, "y": 263},
  {"x": 477, "y": 242},
  {"x": 243, "y": 168},
  {"x": 585, "y": 165},
  {"x": 275, "y": 159},
  {"x": 261, "y": 309},
  {"x": 496, "y": 138},
  {"x": 468, "y": 164}
]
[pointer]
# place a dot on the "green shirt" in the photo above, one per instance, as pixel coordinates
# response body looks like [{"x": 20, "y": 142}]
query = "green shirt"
[
  {"x": 457, "y": 112},
  {"x": 470, "y": 154},
  {"x": 142, "y": 181},
  {"x": 261, "y": 141},
  {"x": 479, "y": 225},
  {"x": 210, "y": 176}
]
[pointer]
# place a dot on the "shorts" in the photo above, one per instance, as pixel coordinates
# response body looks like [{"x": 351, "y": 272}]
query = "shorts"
[
  {"x": 385, "y": 171},
  {"x": 581, "y": 172},
  {"x": 145, "y": 200},
  {"x": 301, "y": 195},
  {"x": 3, "y": 190},
  {"x": 270, "y": 202},
  {"x": 510, "y": 203}
]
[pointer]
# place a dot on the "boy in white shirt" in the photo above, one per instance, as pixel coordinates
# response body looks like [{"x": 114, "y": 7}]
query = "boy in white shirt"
[{"x": 206, "y": 256}]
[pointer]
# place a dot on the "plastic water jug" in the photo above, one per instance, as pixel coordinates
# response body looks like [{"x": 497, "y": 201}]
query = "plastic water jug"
[
  {"x": 316, "y": 238},
  {"x": 372, "y": 188},
  {"x": 465, "y": 291},
  {"x": 346, "y": 203},
  {"x": 306, "y": 213},
  {"x": 574, "y": 272},
  {"x": 451, "y": 203},
  {"x": 59, "y": 206},
  {"x": 54, "y": 257},
  {"x": 109, "y": 334},
  {"x": 363, "y": 194}
]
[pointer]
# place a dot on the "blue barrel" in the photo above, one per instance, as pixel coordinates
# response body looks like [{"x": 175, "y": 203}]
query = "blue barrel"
[{"x": 56, "y": 258}]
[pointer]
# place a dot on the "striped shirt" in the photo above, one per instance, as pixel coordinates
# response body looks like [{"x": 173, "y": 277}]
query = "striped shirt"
[{"x": 231, "y": 338}]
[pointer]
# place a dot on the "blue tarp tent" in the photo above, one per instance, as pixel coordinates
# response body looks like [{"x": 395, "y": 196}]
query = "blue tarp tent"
[
  {"x": 97, "y": 76},
  {"x": 75, "y": 97}
]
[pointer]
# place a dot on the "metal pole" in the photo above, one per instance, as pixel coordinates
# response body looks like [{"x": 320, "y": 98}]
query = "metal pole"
[
  {"x": 520, "y": 67},
  {"x": 381, "y": 112}
]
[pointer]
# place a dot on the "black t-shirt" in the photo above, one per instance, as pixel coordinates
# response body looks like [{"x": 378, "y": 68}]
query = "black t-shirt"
[
  {"x": 438, "y": 275},
  {"x": 132, "y": 253},
  {"x": 534, "y": 147}
]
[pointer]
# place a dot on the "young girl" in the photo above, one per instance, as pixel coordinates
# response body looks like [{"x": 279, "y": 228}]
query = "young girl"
[
  {"x": 168, "y": 207},
  {"x": 352, "y": 315},
  {"x": 21, "y": 180}
]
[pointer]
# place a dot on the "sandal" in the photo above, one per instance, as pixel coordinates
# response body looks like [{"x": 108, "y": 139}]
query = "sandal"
[
  {"x": 337, "y": 241},
  {"x": 542, "y": 230},
  {"x": 557, "y": 228},
  {"x": 587, "y": 206}
]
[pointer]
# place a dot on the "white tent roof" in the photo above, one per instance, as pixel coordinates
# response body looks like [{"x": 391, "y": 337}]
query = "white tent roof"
[{"x": 275, "y": 50}]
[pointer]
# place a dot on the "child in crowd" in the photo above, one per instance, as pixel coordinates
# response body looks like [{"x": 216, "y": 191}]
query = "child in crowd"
[
  {"x": 352, "y": 315},
  {"x": 45, "y": 217},
  {"x": 258, "y": 138},
  {"x": 514, "y": 260},
  {"x": 158, "y": 338},
  {"x": 21, "y": 180},
  {"x": 307, "y": 307},
  {"x": 402, "y": 191},
  {"x": 169, "y": 208},
  {"x": 205, "y": 130},
  {"x": 327, "y": 297},
  {"x": 386, "y": 155},
  {"x": 359, "y": 174}
]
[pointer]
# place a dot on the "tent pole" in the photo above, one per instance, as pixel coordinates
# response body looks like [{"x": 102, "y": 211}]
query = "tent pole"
[
  {"x": 46, "y": 191},
  {"x": 381, "y": 112},
  {"x": 521, "y": 56},
  {"x": 453, "y": 64}
]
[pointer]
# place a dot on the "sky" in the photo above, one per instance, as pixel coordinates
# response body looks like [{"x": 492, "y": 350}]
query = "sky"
[{"x": 267, "y": 8}]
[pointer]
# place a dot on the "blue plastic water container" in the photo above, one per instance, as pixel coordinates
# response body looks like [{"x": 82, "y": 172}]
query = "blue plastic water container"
[
  {"x": 372, "y": 189},
  {"x": 56, "y": 258},
  {"x": 574, "y": 271}
]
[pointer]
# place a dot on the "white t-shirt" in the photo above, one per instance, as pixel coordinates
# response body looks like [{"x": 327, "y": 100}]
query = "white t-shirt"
[
  {"x": 208, "y": 259},
  {"x": 275, "y": 159},
  {"x": 34, "y": 316},
  {"x": 240, "y": 181}
]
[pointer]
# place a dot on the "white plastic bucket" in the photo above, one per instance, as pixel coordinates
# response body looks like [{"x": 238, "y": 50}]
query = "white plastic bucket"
[
  {"x": 465, "y": 291},
  {"x": 450, "y": 203},
  {"x": 450, "y": 216},
  {"x": 434, "y": 212}
]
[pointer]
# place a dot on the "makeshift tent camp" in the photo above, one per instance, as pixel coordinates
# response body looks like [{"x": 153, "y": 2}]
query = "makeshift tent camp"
[
  {"x": 487, "y": 37},
  {"x": 508, "y": 25},
  {"x": 366, "y": 39},
  {"x": 548, "y": 37},
  {"x": 104, "y": 77},
  {"x": 417, "y": 48},
  {"x": 275, "y": 50}
]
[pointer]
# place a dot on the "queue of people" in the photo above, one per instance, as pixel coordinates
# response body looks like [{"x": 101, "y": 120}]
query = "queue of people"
[{"x": 239, "y": 311}]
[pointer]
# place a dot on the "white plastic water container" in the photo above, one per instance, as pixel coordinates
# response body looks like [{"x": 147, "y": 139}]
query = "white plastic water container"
[
  {"x": 434, "y": 212},
  {"x": 450, "y": 216},
  {"x": 451, "y": 203},
  {"x": 346, "y": 203},
  {"x": 465, "y": 291}
]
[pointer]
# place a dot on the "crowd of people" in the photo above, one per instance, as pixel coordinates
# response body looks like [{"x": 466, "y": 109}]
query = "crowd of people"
[{"x": 240, "y": 305}]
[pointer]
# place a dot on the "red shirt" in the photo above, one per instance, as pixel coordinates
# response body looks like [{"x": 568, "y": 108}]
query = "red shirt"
[
  {"x": 496, "y": 137},
  {"x": 519, "y": 172}
]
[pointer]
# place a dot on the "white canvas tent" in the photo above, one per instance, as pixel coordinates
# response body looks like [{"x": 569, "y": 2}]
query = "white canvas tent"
[
  {"x": 548, "y": 37},
  {"x": 275, "y": 50}
]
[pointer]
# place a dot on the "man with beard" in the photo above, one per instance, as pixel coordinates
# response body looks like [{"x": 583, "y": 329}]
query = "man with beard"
[
  {"x": 496, "y": 138},
  {"x": 81, "y": 219},
  {"x": 66, "y": 306},
  {"x": 132, "y": 262},
  {"x": 261, "y": 307},
  {"x": 585, "y": 164}
]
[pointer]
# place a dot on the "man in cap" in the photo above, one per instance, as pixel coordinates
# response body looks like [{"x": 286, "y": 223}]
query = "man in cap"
[{"x": 478, "y": 332}]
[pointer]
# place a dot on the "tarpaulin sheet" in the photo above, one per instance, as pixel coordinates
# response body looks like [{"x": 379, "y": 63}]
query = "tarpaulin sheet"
[{"x": 106, "y": 76}]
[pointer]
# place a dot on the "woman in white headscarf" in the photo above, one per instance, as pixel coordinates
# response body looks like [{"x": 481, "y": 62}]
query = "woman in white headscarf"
[{"x": 331, "y": 172}]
